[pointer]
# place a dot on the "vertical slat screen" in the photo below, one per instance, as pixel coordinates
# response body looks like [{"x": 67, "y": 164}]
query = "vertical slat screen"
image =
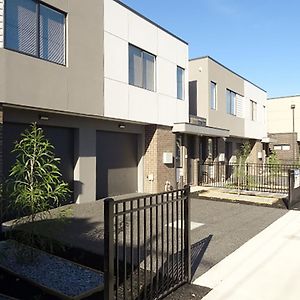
[
  {"x": 52, "y": 35},
  {"x": 21, "y": 31}
]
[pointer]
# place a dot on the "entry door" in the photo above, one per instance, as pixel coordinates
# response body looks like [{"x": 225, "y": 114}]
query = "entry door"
[{"x": 117, "y": 163}]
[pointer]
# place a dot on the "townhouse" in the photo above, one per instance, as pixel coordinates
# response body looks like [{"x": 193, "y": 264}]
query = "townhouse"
[
  {"x": 225, "y": 110},
  {"x": 284, "y": 127},
  {"x": 105, "y": 83}
]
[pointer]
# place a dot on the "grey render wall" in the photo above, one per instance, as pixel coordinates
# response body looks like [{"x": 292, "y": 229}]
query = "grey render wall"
[
  {"x": 1, "y": 22},
  {"x": 198, "y": 72},
  {"x": 76, "y": 87},
  {"x": 205, "y": 70}
]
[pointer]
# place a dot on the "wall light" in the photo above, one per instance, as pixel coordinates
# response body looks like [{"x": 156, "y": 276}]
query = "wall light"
[
  {"x": 122, "y": 126},
  {"x": 43, "y": 117}
]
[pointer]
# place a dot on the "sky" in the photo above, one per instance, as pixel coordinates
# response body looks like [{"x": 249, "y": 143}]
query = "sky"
[{"x": 258, "y": 39}]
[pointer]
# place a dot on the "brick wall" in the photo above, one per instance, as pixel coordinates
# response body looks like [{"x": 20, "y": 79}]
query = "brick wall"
[
  {"x": 285, "y": 156},
  {"x": 158, "y": 139}
]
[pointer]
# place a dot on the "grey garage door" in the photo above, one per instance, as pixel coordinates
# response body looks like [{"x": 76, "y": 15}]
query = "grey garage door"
[
  {"x": 116, "y": 163},
  {"x": 61, "y": 138}
]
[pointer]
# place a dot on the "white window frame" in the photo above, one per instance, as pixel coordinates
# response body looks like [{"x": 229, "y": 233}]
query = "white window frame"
[
  {"x": 253, "y": 110},
  {"x": 213, "y": 95}
]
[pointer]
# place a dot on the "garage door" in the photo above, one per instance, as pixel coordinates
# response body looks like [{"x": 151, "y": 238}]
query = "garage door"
[
  {"x": 116, "y": 163},
  {"x": 61, "y": 138}
]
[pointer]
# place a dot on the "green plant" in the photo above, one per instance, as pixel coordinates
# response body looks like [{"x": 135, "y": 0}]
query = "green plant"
[
  {"x": 273, "y": 163},
  {"x": 241, "y": 168},
  {"x": 34, "y": 185}
]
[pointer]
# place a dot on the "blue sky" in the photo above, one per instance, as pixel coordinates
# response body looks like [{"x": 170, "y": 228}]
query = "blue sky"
[{"x": 259, "y": 39}]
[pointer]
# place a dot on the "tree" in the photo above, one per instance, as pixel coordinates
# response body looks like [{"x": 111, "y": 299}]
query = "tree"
[
  {"x": 35, "y": 185},
  {"x": 242, "y": 156}
]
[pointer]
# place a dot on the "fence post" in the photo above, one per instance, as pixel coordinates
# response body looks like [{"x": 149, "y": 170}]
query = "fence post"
[
  {"x": 187, "y": 234},
  {"x": 247, "y": 177},
  {"x": 109, "y": 249}
]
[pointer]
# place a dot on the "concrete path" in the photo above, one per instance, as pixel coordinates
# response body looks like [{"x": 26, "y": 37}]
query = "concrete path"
[{"x": 265, "y": 268}]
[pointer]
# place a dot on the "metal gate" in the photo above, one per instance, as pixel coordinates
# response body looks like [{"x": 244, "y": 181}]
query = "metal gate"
[{"x": 147, "y": 245}]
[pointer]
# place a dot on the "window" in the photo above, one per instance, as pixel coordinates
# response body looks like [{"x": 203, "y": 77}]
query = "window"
[
  {"x": 284, "y": 147},
  {"x": 253, "y": 110},
  {"x": 141, "y": 68},
  {"x": 230, "y": 102},
  {"x": 178, "y": 158},
  {"x": 213, "y": 95},
  {"x": 35, "y": 29},
  {"x": 180, "y": 83}
]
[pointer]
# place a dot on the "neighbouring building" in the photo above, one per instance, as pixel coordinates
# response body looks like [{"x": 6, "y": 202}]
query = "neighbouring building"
[
  {"x": 226, "y": 110},
  {"x": 284, "y": 127},
  {"x": 105, "y": 83}
]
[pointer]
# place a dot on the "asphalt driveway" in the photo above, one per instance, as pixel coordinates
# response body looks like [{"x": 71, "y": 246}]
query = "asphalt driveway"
[{"x": 225, "y": 227}]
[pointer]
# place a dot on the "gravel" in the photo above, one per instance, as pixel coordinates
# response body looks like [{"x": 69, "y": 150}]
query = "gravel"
[{"x": 57, "y": 275}]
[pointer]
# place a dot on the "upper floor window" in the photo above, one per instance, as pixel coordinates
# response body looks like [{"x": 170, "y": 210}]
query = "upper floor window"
[
  {"x": 141, "y": 68},
  {"x": 213, "y": 95},
  {"x": 230, "y": 102},
  {"x": 180, "y": 83},
  {"x": 253, "y": 105},
  {"x": 36, "y": 29}
]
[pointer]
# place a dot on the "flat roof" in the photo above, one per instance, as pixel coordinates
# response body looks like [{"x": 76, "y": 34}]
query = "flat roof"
[
  {"x": 292, "y": 96},
  {"x": 150, "y": 21},
  {"x": 209, "y": 57}
]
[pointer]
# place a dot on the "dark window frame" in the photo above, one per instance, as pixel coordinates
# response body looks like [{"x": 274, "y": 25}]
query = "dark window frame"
[
  {"x": 143, "y": 79},
  {"x": 230, "y": 112},
  {"x": 182, "y": 83},
  {"x": 38, "y": 3}
]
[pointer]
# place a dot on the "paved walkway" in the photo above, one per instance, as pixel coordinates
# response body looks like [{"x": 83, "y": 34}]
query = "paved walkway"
[
  {"x": 265, "y": 268},
  {"x": 261, "y": 198}
]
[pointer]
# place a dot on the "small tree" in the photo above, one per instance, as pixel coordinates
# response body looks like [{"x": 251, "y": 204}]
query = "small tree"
[
  {"x": 35, "y": 185},
  {"x": 242, "y": 156}
]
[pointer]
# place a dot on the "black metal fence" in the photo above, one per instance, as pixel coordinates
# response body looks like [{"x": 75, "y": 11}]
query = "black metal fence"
[
  {"x": 147, "y": 245},
  {"x": 248, "y": 176}
]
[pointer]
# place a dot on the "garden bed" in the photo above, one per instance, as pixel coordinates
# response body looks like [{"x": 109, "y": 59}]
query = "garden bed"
[{"x": 57, "y": 276}]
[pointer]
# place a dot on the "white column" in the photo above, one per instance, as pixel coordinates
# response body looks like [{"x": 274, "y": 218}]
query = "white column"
[{"x": 85, "y": 165}]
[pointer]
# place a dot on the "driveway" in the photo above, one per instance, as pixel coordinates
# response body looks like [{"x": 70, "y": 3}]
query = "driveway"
[{"x": 230, "y": 224}]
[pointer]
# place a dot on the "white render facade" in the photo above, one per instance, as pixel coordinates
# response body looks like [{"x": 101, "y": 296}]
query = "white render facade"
[{"x": 128, "y": 102}]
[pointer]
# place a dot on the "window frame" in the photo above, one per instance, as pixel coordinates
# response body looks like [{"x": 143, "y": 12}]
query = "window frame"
[
  {"x": 38, "y": 3},
  {"x": 183, "y": 83},
  {"x": 143, "y": 70},
  {"x": 282, "y": 147},
  {"x": 214, "y": 102},
  {"x": 253, "y": 110},
  {"x": 231, "y": 93}
]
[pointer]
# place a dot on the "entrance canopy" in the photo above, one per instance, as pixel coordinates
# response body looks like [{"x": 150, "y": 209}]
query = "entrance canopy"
[{"x": 199, "y": 130}]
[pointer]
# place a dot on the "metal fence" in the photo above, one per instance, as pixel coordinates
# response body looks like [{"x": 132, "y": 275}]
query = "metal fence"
[
  {"x": 147, "y": 245},
  {"x": 248, "y": 176}
]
